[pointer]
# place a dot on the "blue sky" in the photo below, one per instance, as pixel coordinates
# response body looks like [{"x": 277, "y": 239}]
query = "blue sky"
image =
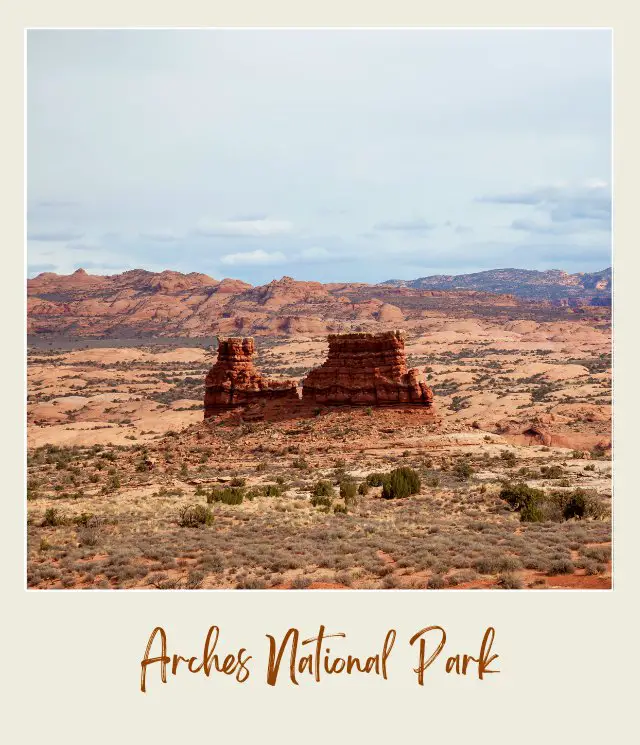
[{"x": 323, "y": 155}]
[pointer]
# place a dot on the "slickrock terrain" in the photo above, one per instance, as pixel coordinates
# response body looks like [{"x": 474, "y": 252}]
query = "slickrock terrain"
[
  {"x": 234, "y": 380},
  {"x": 366, "y": 369}
]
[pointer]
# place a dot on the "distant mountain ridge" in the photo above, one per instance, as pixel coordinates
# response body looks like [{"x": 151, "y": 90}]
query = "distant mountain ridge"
[
  {"x": 139, "y": 303},
  {"x": 593, "y": 288}
]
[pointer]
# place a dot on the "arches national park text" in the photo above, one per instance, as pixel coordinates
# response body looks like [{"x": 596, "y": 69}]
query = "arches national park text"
[{"x": 296, "y": 657}]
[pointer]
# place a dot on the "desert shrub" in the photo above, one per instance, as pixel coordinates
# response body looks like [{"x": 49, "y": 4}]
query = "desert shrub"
[
  {"x": 251, "y": 583},
  {"x": 494, "y": 563},
  {"x": 375, "y": 479},
  {"x": 578, "y": 504},
  {"x": 463, "y": 470},
  {"x": 561, "y": 566},
  {"x": 237, "y": 481},
  {"x": 322, "y": 489},
  {"x": 88, "y": 536},
  {"x": 272, "y": 490},
  {"x": 599, "y": 553},
  {"x": 320, "y": 500},
  {"x": 509, "y": 457},
  {"x": 532, "y": 513},
  {"x": 52, "y": 518},
  {"x": 552, "y": 472},
  {"x": 363, "y": 488},
  {"x": 348, "y": 491},
  {"x": 340, "y": 509},
  {"x": 592, "y": 567},
  {"x": 581, "y": 504},
  {"x": 390, "y": 582},
  {"x": 194, "y": 580},
  {"x": 194, "y": 515},
  {"x": 401, "y": 482},
  {"x": 590, "y": 467},
  {"x": 525, "y": 500},
  {"x": 228, "y": 495},
  {"x": 300, "y": 583},
  {"x": 435, "y": 582},
  {"x": 508, "y": 581}
]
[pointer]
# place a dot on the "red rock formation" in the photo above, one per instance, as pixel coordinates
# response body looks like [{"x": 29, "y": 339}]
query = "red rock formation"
[
  {"x": 368, "y": 370},
  {"x": 234, "y": 381}
]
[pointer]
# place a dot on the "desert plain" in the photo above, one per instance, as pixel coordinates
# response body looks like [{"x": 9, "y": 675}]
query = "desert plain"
[{"x": 128, "y": 487}]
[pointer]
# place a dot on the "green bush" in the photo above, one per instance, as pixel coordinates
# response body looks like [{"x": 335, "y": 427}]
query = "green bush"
[
  {"x": 195, "y": 515},
  {"x": 561, "y": 566},
  {"x": 577, "y": 504},
  {"x": 508, "y": 581},
  {"x": 319, "y": 500},
  {"x": 376, "y": 479},
  {"x": 52, "y": 518},
  {"x": 272, "y": 490},
  {"x": 401, "y": 482},
  {"x": 322, "y": 489},
  {"x": 463, "y": 470},
  {"x": 525, "y": 500},
  {"x": 509, "y": 457},
  {"x": 363, "y": 488},
  {"x": 348, "y": 490},
  {"x": 552, "y": 472},
  {"x": 228, "y": 495}
]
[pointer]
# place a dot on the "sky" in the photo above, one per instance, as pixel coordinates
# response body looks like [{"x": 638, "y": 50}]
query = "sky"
[{"x": 337, "y": 155}]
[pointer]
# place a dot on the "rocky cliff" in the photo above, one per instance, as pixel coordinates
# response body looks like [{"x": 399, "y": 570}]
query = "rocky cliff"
[
  {"x": 234, "y": 380},
  {"x": 366, "y": 369}
]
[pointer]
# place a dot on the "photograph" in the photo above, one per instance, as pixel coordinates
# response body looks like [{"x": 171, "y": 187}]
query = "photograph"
[{"x": 318, "y": 309}]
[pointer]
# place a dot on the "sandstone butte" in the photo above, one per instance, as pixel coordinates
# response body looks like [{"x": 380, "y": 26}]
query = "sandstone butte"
[
  {"x": 234, "y": 380},
  {"x": 361, "y": 369},
  {"x": 365, "y": 369}
]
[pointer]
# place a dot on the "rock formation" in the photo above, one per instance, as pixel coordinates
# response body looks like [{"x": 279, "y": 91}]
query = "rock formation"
[
  {"x": 234, "y": 381},
  {"x": 368, "y": 370}
]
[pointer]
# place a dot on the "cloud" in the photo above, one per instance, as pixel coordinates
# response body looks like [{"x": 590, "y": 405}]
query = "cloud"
[
  {"x": 568, "y": 227},
  {"x": 253, "y": 228},
  {"x": 254, "y": 258},
  {"x": 315, "y": 253},
  {"x": 37, "y": 268},
  {"x": 407, "y": 225},
  {"x": 56, "y": 204},
  {"x": 54, "y": 235},
  {"x": 160, "y": 236},
  {"x": 83, "y": 246},
  {"x": 563, "y": 203}
]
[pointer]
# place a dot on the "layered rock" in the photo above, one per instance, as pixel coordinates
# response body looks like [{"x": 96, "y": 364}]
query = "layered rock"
[
  {"x": 368, "y": 370},
  {"x": 234, "y": 380}
]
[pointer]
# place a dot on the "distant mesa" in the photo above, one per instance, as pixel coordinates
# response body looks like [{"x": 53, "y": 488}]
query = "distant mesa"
[
  {"x": 591, "y": 288},
  {"x": 361, "y": 369}
]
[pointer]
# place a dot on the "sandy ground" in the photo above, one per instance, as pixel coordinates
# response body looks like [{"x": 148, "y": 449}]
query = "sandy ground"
[{"x": 541, "y": 391}]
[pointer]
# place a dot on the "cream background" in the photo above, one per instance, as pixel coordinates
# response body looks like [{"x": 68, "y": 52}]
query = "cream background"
[{"x": 568, "y": 660}]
